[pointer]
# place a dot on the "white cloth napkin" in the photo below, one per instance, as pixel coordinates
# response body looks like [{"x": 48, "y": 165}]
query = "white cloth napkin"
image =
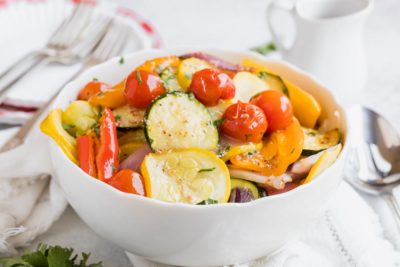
[
  {"x": 30, "y": 202},
  {"x": 349, "y": 234}
]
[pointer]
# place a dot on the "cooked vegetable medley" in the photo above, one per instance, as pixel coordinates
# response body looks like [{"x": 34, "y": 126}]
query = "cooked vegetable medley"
[{"x": 196, "y": 129}]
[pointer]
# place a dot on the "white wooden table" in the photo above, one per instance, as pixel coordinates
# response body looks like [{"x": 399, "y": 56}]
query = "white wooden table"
[{"x": 208, "y": 27}]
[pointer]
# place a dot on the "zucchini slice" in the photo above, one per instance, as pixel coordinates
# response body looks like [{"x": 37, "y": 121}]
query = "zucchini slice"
[
  {"x": 128, "y": 117},
  {"x": 218, "y": 110},
  {"x": 273, "y": 82},
  {"x": 315, "y": 141},
  {"x": 178, "y": 120}
]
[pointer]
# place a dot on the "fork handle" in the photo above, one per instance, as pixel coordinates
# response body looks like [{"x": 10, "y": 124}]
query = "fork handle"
[{"x": 17, "y": 71}]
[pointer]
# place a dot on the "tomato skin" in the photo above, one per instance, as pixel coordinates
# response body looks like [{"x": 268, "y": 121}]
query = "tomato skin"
[
  {"x": 142, "y": 87},
  {"x": 209, "y": 85},
  {"x": 128, "y": 181},
  {"x": 245, "y": 122},
  {"x": 92, "y": 88},
  {"x": 277, "y": 108}
]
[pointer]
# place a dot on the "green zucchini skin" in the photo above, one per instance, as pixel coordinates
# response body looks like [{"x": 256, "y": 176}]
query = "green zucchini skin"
[
  {"x": 177, "y": 120},
  {"x": 315, "y": 142},
  {"x": 128, "y": 117},
  {"x": 274, "y": 82}
]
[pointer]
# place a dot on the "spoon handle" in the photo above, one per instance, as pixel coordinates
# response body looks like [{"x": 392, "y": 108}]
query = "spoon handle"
[{"x": 394, "y": 206}]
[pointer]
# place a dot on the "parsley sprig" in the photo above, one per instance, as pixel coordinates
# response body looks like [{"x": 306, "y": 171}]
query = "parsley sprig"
[{"x": 49, "y": 256}]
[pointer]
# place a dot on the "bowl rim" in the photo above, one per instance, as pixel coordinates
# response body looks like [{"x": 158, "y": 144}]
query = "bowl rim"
[{"x": 74, "y": 83}]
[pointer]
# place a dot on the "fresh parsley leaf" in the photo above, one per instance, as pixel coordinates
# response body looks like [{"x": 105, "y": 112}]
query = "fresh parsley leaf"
[
  {"x": 95, "y": 79},
  {"x": 208, "y": 202},
  {"x": 121, "y": 60},
  {"x": 206, "y": 170},
  {"x": 265, "y": 49},
  {"x": 139, "y": 78},
  {"x": 37, "y": 258},
  {"x": 49, "y": 256},
  {"x": 59, "y": 257}
]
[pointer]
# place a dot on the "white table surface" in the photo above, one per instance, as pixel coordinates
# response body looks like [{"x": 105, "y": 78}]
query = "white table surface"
[{"x": 209, "y": 27}]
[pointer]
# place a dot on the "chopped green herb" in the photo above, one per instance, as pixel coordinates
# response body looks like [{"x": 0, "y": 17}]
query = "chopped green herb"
[
  {"x": 95, "y": 79},
  {"x": 206, "y": 170},
  {"x": 117, "y": 118},
  {"x": 218, "y": 122},
  {"x": 49, "y": 256},
  {"x": 121, "y": 60},
  {"x": 208, "y": 202},
  {"x": 150, "y": 141},
  {"x": 96, "y": 129},
  {"x": 262, "y": 74},
  {"x": 100, "y": 94},
  {"x": 248, "y": 136},
  {"x": 265, "y": 49},
  {"x": 139, "y": 78},
  {"x": 68, "y": 127},
  {"x": 114, "y": 169}
]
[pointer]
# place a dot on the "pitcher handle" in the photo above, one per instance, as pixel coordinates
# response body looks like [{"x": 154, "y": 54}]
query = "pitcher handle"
[{"x": 287, "y": 6}]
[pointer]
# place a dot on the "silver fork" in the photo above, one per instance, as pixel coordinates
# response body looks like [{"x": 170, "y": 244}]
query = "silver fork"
[
  {"x": 66, "y": 35},
  {"x": 111, "y": 45},
  {"x": 92, "y": 33}
]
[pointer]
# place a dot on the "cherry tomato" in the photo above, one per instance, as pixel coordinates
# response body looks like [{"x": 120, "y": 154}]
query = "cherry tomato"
[
  {"x": 209, "y": 85},
  {"x": 277, "y": 108},
  {"x": 245, "y": 122},
  {"x": 128, "y": 181},
  {"x": 142, "y": 87},
  {"x": 92, "y": 88}
]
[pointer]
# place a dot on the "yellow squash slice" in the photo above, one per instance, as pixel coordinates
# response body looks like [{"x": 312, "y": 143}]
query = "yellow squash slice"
[
  {"x": 187, "y": 176},
  {"x": 327, "y": 158}
]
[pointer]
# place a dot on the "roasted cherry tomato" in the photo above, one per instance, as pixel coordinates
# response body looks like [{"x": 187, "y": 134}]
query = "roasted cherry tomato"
[
  {"x": 245, "y": 122},
  {"x": 142, "y": 87},
  {"x": 277, "y": 109},
  {"x": 92, "y": 88},
  {"x": 209, "y": 85},
  {"x": 128, "y": 181}
]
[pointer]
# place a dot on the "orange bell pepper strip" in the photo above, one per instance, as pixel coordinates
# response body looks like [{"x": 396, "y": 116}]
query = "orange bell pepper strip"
[
  {"x": 87, "y": 153},
  {"x": 107, "y": 156},
  {"x": 280, "y": 149},
  {"x": 92, "y": 88},
  {"x": 111, "y": 98},
  {"x": 159, "y": 64}
]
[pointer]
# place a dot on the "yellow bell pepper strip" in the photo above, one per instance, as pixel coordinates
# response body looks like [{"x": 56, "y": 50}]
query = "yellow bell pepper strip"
[
  {"x": 53, "y": 127},
  {"x": 87, "y": 153},
  {"x": 280, "y": 149},
  {"x": 305, "y": 107},
  {"x": 111, "y": 98},
  {"x": 107, "y": 156},
  {"x": 158, "y": 65}
]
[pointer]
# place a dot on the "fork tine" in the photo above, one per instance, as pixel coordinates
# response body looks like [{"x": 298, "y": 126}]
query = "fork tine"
[
  {"x": 112, "y": 42},
  {"x": 55, "y": 38},
  {"x": 120, "y": 44},
  {"x": 91, "y": 36},
  {"x": 73, "y": 27}
]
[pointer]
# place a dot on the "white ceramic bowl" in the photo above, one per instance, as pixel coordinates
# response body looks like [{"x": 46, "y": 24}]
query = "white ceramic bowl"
[{"x": 190, "y": 235}]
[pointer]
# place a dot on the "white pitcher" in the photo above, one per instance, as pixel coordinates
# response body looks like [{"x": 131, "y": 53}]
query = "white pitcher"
[{"x": 328, "y": 41}]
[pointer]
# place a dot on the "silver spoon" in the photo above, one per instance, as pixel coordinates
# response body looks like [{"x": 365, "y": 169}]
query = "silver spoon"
[{"x": 373, "y": 163}]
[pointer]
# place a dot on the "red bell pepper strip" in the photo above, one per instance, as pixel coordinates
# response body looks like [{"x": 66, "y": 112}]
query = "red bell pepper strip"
[
  {"x": 87, "y": 153},
  {"x": 107, "y": 156}
]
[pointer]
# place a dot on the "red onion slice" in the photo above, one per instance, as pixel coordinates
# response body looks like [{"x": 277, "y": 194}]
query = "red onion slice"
[
  {"x": 216, "y": 61},
  {"x": 135, "y": 159}
]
